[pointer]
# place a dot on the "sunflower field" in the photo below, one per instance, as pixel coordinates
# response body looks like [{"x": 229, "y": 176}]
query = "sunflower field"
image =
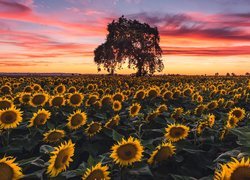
[{"x": 103, "y": 127}]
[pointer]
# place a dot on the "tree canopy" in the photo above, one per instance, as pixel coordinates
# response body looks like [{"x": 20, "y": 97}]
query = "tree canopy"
[{"x": 132, "y": 42}]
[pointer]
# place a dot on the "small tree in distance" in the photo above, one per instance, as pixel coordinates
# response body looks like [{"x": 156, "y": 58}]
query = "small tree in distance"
[{"x": 132, "y": 42}]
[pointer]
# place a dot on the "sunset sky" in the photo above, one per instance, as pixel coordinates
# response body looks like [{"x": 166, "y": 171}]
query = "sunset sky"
[{"x": 197, "y": 36}]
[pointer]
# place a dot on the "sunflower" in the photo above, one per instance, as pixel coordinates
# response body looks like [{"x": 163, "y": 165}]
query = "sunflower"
[
  {"x": 93, "y": 128},
  {"x": 90, "y": 87},
  {"x": 139, "y": 95},
  {"x": 234, "y": 170},
  {"x": 92, "y": 99},
  {"x": 39, "y": 99},
  {"x": 167, "y": 95},
  {"x": 106, "y": 100},
  {"x": 162, "y": 152},
  {"x": 37, "y": 87},
  {"x": 57, "y": 101},
  {"x": 39, "y": 118},
  {"x": 28, "y": 89},
  {"x": 118, "y": 97},
  {"x": 53, "y": 135},
  {"x": 134, "y": 109},
  {"x": 75, "y": 99},
  {"x": 117, "y": 105},
  {"x": 211, "y": 120},
  {"x": 176, "y": 132},
  {"x": 232, "y": 121},
  {"x": 162, "y": 108},
  {"x": 188, "y": 92},
  {"x": 9, "y": 170},
  {"x": 61, "y": 158},
  {"x": 5, "y": 103},
  {"x": 201, "y": 126},
  {"x": 113, "y": 122},
  {"x": 60, "y": 89},
  {"x": 153, "y": 92},
  {"x": 151, "y": 116},
  {"x": 126, "y": 152},
  {"x": 10, "y": 118},
  {"x": 199, "y": 109},
  {"x": 239, "y": 113},
  {"x": 177, "y": 113},
  {"x": 76, "y": 120},
  {"x": 25, "y": 98},
  {"x": 212, "y": 105},
  {"x": 5, "y": 89},
  {"x": 97, "y": 172},
  {"x": 72, "y": 89},
  {"x": 229, "y": 104}
]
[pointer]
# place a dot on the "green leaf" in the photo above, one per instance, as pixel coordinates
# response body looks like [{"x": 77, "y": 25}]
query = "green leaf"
[
  {"x": 116, "y": 136},
  {"x": 91, "y": 161},
  {"x": 46, "y": 149}
]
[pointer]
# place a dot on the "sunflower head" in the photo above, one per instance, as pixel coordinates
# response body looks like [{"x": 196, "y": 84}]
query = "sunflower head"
[
  {"x": 232, "y": 121},
  {"x": 126, "y": 152},
  {"x": 76, "y": 120},
  {"x": 176, "y": 132},
  {"x": 10, "y": 118},
  {"x": 118, "y": 97},
  {"x": 57, "y": 101},
  {"x": 5, "y": 89},
  {"x": 39, "y": 118},
  {"x": 239, "y": 113},
  {"x": 60, "y": 158},
  {"x": 229, "y": 104},
  {"x": 113, "y": 122},
  {"x": 134, "y": 109},
  {"x": 117, "y": 105},
  {"x": 106, "y": 101},
  {"x": 72, "y": 89},
  {"x": 188, "y": 92},
  {"x": 96, "y": 172},
  {"x": 39, "y": 99},
  {"x": 54, "y": 135},
  {"x": 93, "y": 128},
  {"x": 60, "y": 89},
  {"x": 151, "y": 116},
  {"x": 162, "y": 108},
  {"x": 5, "y": 103},
  {"x": 162, "y": 152},
  {"x": 212, "y": 105},
  {"x": 139, "y": 95},
  {"x": 92, "y": 99},
  {"x": 199, "y": 109},
  {"x": 153, "y": 92},
  {"x": 201, "y": 126},
  {"x": 9, "y": 169},
  {"x": 25, "y": 98},
  {"x": 167, "y": 95},
  {"x": 211, "y": 120},
  {"x": 28, "y": 89},
  {"x": 75, "y": 99}
]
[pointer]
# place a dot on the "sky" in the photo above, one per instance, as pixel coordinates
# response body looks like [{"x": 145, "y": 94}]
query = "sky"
[{"x": 196, "y": 36}]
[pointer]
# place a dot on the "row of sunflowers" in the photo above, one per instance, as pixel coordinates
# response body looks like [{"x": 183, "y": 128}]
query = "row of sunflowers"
[{"x": 102, "y": 127}]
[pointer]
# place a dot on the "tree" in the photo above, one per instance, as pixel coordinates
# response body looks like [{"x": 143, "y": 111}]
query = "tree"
[{"x": 132, "y": 42}]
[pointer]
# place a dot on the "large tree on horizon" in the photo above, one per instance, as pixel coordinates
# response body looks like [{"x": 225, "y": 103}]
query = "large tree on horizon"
[{"x": 133, "y": 42}]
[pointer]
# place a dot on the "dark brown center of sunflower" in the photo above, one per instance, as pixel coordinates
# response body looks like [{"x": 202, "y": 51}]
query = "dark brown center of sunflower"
[
  {"x": 54, "y": 136},
  {"x": 26, "y": 98},
  {"x": 237, "y": 113},
  {"x": 134, "y": 110},
  {"x": 75, "y": 99},
  {"x": 163, "y": 154},
  {"x": 40, "y": 119},
  {"x": 127, "y": 151},
  {"x": 60, "y": 89},
  {"x": 106, "y": 101},
  {"x": 241, "y": 173},
  {"x": 92, "y": 100},
  {"x": 38, "y": 99},
  {"x": 61, "y": 158},
  {"x": 57, "y": 101},
  {"x": 140, "y": 95},
  {"x": 94, "y": 128},
  {"x": 5, "y": 89},
  {"x": 118, "y": 97},
  {"x": 5, "y": 104},
  {"x": 6, "y": 172},
  {"x": 76, "y": 120},
  {"x": 8, "y": 117},
  {"x": 96, "y": 175},
  {"x": 116, "y": 106},
  {"x": 176, "y": 132}
]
